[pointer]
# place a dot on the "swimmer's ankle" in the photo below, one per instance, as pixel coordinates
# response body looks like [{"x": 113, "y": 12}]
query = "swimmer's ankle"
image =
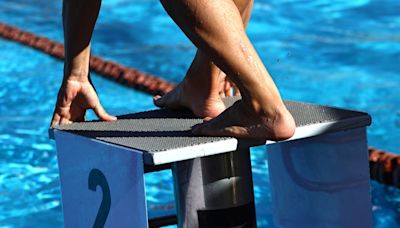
[
  {"x": 201, "y": 85},
  {"x": 265, "y": 107},
  {"x": 275, "y": 116}
]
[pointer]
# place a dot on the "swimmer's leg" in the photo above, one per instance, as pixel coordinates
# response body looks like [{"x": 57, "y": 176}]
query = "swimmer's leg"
[
  {"x": 204, "y": 83},
  {"x": 215, "y": 27},
  {"x": 199, "y": 90}
]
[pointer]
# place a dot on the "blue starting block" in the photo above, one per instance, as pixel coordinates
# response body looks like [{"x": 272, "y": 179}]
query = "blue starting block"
[{"x": 319, "y": 177}]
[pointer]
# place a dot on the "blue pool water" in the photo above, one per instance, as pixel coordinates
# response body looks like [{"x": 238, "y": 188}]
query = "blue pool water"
[{"x": 340, "y": 53}]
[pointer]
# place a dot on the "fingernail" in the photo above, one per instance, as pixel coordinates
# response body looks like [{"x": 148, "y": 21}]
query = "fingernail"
[{"x": 114, "y": 118}]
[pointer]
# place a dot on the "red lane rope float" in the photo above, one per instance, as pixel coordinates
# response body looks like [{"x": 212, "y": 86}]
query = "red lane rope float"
[
  {"x": 124, "y": 75},
  {"x": 384, "y": 166}
]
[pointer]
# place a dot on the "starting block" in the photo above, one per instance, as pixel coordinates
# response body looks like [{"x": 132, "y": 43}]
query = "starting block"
[{"x": 319, "y": 177}]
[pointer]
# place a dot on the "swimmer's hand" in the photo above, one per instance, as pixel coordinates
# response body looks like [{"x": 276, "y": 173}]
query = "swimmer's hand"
[{"x": 74, "y": 98}]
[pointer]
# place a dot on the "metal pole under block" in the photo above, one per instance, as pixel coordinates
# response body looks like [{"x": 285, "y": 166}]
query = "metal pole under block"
[
  {"x": 215, "y": 191},
  {"x": 321, "y": 181}
]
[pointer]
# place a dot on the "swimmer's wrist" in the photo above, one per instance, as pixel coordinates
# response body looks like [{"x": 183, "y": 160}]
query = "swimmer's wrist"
[
  {"x": 76, "y": 78},
  {"x": 82, "y": 76},
  {"x": 76, "y": 67},
  {"x": 76, "y": 72}
]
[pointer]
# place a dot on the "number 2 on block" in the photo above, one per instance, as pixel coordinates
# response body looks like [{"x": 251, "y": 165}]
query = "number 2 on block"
[{"x": 97, "y": 178}]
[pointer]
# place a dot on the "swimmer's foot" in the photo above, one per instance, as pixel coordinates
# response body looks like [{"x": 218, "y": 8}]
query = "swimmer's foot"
[
  {"x": 241, "y": 122},
  {"x": 227, "y": 87},
  {"x": 202, "y": 102}
]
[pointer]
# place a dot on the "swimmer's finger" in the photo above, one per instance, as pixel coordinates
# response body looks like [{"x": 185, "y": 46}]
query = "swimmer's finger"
[
  {"x": 65, "y": 121},
  {"x": 55, "y": 120},
  {"x": 80, "y": 118},
  {"x": 102, "y": 114}
]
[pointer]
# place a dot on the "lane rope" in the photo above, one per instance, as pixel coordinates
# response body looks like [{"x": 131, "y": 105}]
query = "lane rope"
[
  {"x": 384, "y": 167},
  {"x": 113, "y": 71}
]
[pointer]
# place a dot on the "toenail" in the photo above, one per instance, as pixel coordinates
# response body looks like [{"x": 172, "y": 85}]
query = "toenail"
[{"x": 206, "y": 119}]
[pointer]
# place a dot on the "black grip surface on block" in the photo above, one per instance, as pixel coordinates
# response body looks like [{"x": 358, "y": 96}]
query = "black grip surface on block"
[{"x": 164, "y": 130}]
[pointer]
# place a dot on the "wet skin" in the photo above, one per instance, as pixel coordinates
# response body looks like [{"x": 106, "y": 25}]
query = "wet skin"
[
  {"x": 216, "y": 28},
  {"x": 204, "y": 84},
  {"x": 77, "y": 94}
]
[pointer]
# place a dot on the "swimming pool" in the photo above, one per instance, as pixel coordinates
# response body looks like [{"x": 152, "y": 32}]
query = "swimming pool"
[{"x": 341, "y": 53}]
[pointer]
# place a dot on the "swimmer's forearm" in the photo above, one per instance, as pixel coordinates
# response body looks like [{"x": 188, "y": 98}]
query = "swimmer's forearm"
[
  {"x": 77, "y": 67},
  {"x": 79, "y": 18}
]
